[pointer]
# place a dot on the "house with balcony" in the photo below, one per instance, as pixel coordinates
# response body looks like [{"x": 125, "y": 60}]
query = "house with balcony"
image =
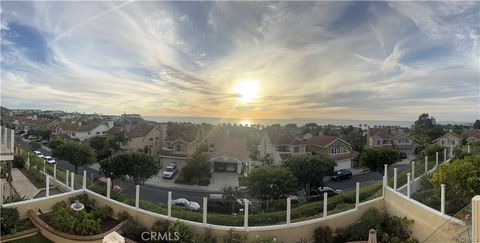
[
  {"x": 391, "y": 138},
  {"x": 451, "y": 139},
  {"x": 279, "y": 145},
  {"x": 334, "y": 147},
  {"x": 82, "y": 130}
]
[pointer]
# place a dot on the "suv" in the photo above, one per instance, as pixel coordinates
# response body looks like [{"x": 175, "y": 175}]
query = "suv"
[
  {"x": 38, "y": 154},
  {"x": 341, "y": 174},
  {"x": 170, "y": 171},
  {"x": 49, "y": 159}
]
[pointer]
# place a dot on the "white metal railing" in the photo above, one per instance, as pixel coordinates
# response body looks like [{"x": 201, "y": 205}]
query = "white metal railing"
[{"x": 6, "y": 139}]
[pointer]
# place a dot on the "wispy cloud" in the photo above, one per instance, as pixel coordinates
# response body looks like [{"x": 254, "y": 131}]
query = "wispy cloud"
[{"x": 365, "y": 60}]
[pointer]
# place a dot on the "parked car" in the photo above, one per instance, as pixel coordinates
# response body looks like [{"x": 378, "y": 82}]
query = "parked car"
[
  {"x": 170, "y": 172},
  {"x": 184, "y": 203},
  {"x": 341, "y": 175},
  {"x": 173, "y": 164},
  {"x": 49, "y": 159},
  {"x": 318, "y": 192},
  {"x": 402, "y": 155},
  {"x": 38, "y": 154}
]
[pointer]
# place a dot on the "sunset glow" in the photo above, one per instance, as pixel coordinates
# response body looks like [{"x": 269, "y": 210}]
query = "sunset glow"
[{"x": 247, "y": 90}]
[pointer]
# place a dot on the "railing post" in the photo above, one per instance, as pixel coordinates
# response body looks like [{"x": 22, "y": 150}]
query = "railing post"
[
  {"x": 72, "y": 181},
  {"x": 137, "y": 196},
  {"x": 67, "y": 174},
  {"x": 109, "y": 186},
  {"x": 426, "y": 165},
  {"x": 325, "y": 204},
  {"x": 84, "y": 182},
  {"x": 413, "y": 170},
  {"x": 408, "y": 184},
  {"x": 205, "y": 201},
  {"x": 442, "y": 198},
  {"x": 436, "y": 160},
  {"x": 357, "y": 195},
  {"x": 451, "y": 152},
  {"x": 47, "y": 186},
  {"x": 169, "y": 204},
  {"x": 55, "y": 172},
  {"x": 44, "y": 165},
  {"x": 289, "y": 208},
  {"x": 476, "y": 219},
  {"x": 245, "y": 216},
  {"x": 468, "y": 148},
  {"x": 395, "y": 172}
]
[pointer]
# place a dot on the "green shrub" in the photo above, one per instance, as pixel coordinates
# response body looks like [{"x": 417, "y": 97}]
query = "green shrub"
[
  {"x": 9, "y": 218},
  {"x": 123, "y": 215},
  {"x": 385, "y": 226},
  {"x": 323, "y": 235},
  {"x": 233, "y": 237},
  {"x": 133, "y": 231},
  {"x": 13, "y": 198},
  {"x": 18, "y": 162},
  {"x": 78, "y": 223},
  {"x": 206, "y": 237},
  {"x": 103, "y": 213},
  {"x": 183, "y": 230}
]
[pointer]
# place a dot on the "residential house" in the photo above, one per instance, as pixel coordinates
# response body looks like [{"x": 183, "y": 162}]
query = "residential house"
[
  {"x": 82, "y": 131},
  {"x": 179, "y": 145},
  {"x": 279, "y": 145},
  {"x": 335, "y": 148},
  {"x": 391, "y": 138},
  {"x": 144, "y": 137},
  {"x": 227, "y": 153},
  {"x": 450, "y": 139},
  {"x": 473, "y": 136}
]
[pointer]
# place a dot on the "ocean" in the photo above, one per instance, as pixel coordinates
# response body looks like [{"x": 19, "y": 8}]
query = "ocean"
[{"x": 298, "y": 121}]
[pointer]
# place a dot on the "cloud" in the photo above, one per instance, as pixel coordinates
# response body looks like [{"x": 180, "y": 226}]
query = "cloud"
[{"x": 358, "y": 60}]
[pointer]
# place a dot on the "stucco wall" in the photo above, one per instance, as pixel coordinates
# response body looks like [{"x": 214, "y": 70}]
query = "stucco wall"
[{"x": 426, "y": 219}]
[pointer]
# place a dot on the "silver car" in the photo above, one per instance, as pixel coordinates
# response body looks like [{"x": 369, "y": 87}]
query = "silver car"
[{"x": 184, "y": 203}]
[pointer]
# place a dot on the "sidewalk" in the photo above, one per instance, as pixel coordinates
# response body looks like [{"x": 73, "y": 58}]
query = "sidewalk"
[{"x": 22, "y": 185}]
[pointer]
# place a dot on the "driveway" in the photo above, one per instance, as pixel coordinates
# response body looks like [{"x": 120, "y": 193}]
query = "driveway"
[{"x": 217, "y": 182}]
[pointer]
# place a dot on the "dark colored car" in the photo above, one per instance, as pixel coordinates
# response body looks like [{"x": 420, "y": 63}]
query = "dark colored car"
[
  {"x": 317, "y": 194},
  {"x": 402, "y": 155},
  {"x": 341, "y": 175}
]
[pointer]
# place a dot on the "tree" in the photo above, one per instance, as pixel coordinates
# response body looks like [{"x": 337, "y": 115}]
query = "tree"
[
  {"x": 425, "y": 129},
  {"x": 231, "y": 193},
  {"x": 139, "y": 167},
  {"x": 476, "y": 125},
  {"x": 266, "y": 183},
  {"x": 97, "y": 143},
  {"x": 461, "y": 176},
  {"x": 310, "y": 170},
  {"x": 75, "y": 153},
  {"x": 432, "y": 149},
  {"x": 35, "y": 145},
  {"x": 375, "y": 159},
  {"x": 197, "y": 170},
  {"x": 54, "y": 143},
  {"x": 43, "y": 133}
]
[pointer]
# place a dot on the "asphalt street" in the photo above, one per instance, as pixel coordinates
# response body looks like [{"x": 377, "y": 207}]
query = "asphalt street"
[{"x": 158, "y": 194}]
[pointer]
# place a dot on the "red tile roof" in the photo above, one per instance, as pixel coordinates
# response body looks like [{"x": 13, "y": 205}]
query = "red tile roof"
[
  {"x": 282, "y": 136},
  {"x": 322, "y": 140}
]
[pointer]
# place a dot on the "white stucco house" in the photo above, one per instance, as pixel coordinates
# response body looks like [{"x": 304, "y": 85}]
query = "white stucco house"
[{"x": 82, "y": 131}]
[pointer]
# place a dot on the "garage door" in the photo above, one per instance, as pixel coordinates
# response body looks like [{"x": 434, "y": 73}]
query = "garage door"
[
  {"x": 343, "y": 164},
  {"x": 225, "y": 167}
]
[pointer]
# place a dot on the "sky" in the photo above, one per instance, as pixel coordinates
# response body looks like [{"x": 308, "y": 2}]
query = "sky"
[{"x": 257, "y": 60}]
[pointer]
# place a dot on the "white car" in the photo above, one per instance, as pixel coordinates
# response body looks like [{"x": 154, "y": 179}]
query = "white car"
[
  {"x": 49, "y": 159},
  {"x": 38, "y": 154},
  {"x": 169, "y": 172},
  {"x": 184, "y": 203}
]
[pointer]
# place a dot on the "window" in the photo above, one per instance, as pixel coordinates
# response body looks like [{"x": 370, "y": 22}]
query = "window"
[
  {"x": 338, "y": 150},
  {"x": 151, "y": 139},
  {"x": 211, "y": 145},
  {"x": 407, "y": 140},
  {"x": 443, "y": 142},
  {"x": 97, "y": 133},
  {"x": 399, "y": 140},
  {"x": 378, "y": 142},
  {"x": 296, "y": 149},
  {"x": 453, "y": 142},
  {"x": 88, "y": 133},
  {"x": 179, "y": 148}
]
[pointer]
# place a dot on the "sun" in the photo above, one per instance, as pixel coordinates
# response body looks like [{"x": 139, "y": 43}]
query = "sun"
[{"x": 247, "y": 89}]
